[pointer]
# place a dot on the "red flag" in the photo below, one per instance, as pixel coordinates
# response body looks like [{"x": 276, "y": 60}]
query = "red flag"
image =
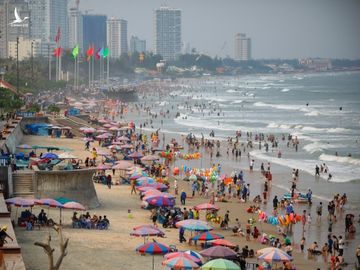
[
  {"x": 57, "y": 52},
  {"x": 90, "y": 52},
  {"x": 97, "y": 55},
  {"x": 58, "y": 35}
]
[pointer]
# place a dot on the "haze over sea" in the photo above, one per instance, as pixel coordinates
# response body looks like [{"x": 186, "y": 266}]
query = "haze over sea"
[{"x": 277, "y": 104}]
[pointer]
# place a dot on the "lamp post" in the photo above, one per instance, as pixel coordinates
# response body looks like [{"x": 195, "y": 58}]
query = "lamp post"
[
  {"x": 17, "y": 64},
  {"x": 32, "y": 61}
]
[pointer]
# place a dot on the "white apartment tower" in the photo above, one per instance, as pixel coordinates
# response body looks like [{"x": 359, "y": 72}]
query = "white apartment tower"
[
  {"x": 116, "y": 37},
  {"x": 167, "y": 32},
  {"x": 75, "y": 29},
  {"x": 242, "y": 47}
]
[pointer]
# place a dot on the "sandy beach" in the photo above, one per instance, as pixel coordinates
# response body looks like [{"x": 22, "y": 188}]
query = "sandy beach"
[{"x": 114, "y": 248}]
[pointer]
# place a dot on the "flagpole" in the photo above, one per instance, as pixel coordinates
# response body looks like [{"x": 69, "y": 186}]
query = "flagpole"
[
  {"x": 108, "y": 71},
  {"x": 89, "y": 73},
  {"x": 60, "y": 66},
  {"x": 92, "y": 68}
]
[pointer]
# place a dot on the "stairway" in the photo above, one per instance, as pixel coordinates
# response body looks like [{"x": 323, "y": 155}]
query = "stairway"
[{"x": 23, "y": 183}]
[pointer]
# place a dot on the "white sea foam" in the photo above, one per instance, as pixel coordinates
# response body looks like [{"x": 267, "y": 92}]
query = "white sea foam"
[
  {"x": 318, "y": 146},
  {"x": 285, "y": 90},
  {"x": 349, "y": 160},
  {"x": 340, "y": 172},
  {"x": 237, "y": 101},
  {"x": 231, "y": 91},
  {"x": 308, "y": 128}
]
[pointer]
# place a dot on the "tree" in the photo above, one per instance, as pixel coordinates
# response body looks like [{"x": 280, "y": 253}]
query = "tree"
[
  {"x": 49, "y": 251},
  {"x": 53, "y": 108}
]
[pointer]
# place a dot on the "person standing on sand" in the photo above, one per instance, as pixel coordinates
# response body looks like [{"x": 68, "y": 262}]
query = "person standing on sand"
[
  {"x": 319, "y": 212},
  {"x": 303, "y": 221},
  {"x": 132, "y": 183},
  {"x": 183, "y": 197}
]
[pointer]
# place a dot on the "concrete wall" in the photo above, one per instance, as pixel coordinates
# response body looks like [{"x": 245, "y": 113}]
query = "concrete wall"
[
  {"x": 13, "y": 139},
  {"x": 76, "y": 185}
]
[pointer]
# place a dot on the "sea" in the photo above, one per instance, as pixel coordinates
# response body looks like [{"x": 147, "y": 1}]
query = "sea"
[{"x": 321, "y": 109}]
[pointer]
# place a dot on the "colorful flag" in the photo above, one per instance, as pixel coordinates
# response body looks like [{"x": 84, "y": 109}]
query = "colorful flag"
[
  {"x": 97, "y": 54},
  {"x": 57, "y": 52},
  {"x": 106, "y": 52},
  {"x": 101, "y": 52},
  {"x": 90, "y": 52},
  {"x": 75, "y": 51},
  {"x": 58, "y": 35}
]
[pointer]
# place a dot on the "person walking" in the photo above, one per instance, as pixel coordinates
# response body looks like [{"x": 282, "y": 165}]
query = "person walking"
[{"x": 183, "y": 197}]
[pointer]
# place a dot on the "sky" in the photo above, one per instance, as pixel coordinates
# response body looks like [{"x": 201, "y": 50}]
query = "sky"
[{"x": 277, "y": 28}]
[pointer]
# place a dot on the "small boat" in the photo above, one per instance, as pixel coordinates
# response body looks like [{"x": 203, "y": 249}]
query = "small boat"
[{"x": 298, "y": 197}]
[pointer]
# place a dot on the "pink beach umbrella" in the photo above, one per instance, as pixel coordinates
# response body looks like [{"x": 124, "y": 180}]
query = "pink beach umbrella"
[
  {"x": 117, "y": 143},
  {"x": 89, "y": 130},
  {"x": 74, "y": 206},
  {"x": 127, "y": 146},
  {"x": 123, "y": 138},
  {"x": 50, "y": 202},
  {"x": 113, "y": 128},
  {"x": 149, "y": 158},
  {"x": 206, "y": 206},
  {"x": 103, "y": 121},
  {"x": 103, "y": 167},
  {"x": 107, "y": 126},
  {"x": 101, "y": 131},
  {"x": 136, "y": 155},
  {"x": 103, "y": 136},
  {"x": 123, "y": 165},
  {"x": 87, "y": 139}
]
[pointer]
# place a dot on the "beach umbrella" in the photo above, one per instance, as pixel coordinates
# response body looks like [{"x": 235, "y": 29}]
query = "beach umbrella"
[
  {"x": 193, "y": 177},
  {"x": 123, "y": 165},
  {"x": 180, "y": 262},
  {"x": 117, "y": 143},
  {"x": 157, "y": 186},
  {"x": 66, "y": 155},
  {"x": 49, "y": 202},
  {"x": 153, "y": 248},
  {"x": 87, "y": 139},
  {"x": 100, "y": 130},
  {"x": 82, "y": 128},
  {"x": 127, "y": 146},
  {"x": 206, "y": 206},
  {"x": 223, "y": 242},
  {"x": 113, "y": 128},
  {"x": 146, "y": 188},
  {"x": 147, "y": 231},
  {"x": 151, "y": 192},
  {"x": 135, "y": 176},
  {"x": 123, "y": 138},
  {"x": 149, "y": 158},
  {"x": 160, "y": 200},
  {"x": 50, "y": 155},
  {"x": 107, "y": 125},
  {"x": 206, "y": 236},
  {"x": 142, "y": 181},
  {"x": 103, "y": 121},
  {"x": 103, "y": 136},
  {"x": 275, "y": 255},
  {"x": 88, "y": 130},
  {"x": 194, "y": 254},
  {"x": 267, "y": 249},
  {"x": 103, "y": 167},
  {"x": 219, "y": 252},
  {"x": 63, "y": 200},
  {"x": 20, "y": 202},
  {"x": 135, "y": 155},
  {"x": 114, "y": 147},
  {"x": 24, "y": 146},
  {"x": 74, "y": 206},
  {"x": 220, "y": 264},
  {"x": 171, "y": 255},
  {"x": 194, "y": 225}
]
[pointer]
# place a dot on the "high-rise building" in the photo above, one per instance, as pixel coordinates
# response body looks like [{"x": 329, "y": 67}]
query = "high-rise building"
[
  {"x": 24, "y": 48},
  {"x": 242, "y": 47},
  {"x": 46, "y": 17},
  {"x": 9, "y": 32},
  {"x": 58, "y": 19},
  {"x": 75, "y": 28},
  {"x": 116, "y": 37},
  {"x": 167, "y": 32},
  {"x": 94, "y": 31},
  {"x": 137, "y": 45}
]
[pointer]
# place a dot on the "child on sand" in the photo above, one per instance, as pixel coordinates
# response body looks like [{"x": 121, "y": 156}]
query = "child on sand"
[{"x": 302, "y": 244}]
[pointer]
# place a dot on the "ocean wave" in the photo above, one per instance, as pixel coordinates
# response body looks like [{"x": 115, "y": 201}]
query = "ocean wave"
[
  {"x": 308, "y": 128},
  {"x": 231, "y": 91},
  {"x": 341, "y": 173},
  {"x": 319, "y": 147},
  {"x": 285, "y": 90},
  {"x": 237, "y": 101},
  {"x": 350, "y": 160}
]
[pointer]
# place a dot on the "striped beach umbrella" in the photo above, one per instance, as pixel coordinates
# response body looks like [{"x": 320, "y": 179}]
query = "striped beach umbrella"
[
  {"x": 146, "y": 231},
  {"x": 49, "y": 202},
  {"x": 206, "y": 236},
  {"x": 194, "y": 254},
  {"x": 181, "y": 253},
  {"x": 74, "y": 206},
  {"x": 153, "y": 248},
  {"x": 275, "y": 255},
  {"x": 219, "y": 252},
  {"x": 136, "y": 155},
  {"x": 160, "y": 200},
  {"x": 223, "y": 242},
  {"x": 20, "y": 202},
  {"x": 180, "y": 263}
]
